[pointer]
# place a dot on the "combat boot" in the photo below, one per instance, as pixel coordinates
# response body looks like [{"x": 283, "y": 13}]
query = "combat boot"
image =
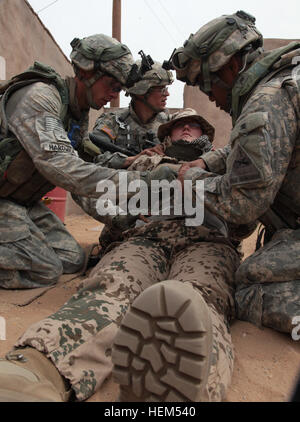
[
  {"x": 27, "y": 375},
  {"x": 163, "y": 348}
]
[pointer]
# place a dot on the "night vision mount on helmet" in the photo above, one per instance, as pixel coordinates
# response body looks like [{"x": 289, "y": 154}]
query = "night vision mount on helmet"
[{"x": 156, "y": 76}]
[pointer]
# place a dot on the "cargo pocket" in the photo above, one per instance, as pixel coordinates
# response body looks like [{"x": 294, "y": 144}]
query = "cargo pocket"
[{"x": 9, "y": 234}]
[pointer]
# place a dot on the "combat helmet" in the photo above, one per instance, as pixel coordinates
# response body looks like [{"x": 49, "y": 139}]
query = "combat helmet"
[
  {"x": 103, "y": 54},
  {"x": 157, "y": 76},
  {"x": 209, "y": 49}
]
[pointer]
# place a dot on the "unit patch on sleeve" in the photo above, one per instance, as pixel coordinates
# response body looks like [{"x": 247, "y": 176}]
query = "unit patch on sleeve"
[
  {"x": 243, "y": 170},
  {"x": 108, "y": 132}
]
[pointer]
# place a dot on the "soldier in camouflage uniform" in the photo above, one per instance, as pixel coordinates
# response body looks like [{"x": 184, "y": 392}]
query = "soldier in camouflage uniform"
[
  {"x": 172, "y": 154},
  {"x": 38, "y": 108},
  {"x": 260, "y": 168},
  {"x": 175, "y": 286},
  {"x": 135, "y": 128}
]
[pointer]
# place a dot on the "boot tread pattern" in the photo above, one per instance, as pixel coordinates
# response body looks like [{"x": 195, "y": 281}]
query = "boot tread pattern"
[{"x": 162, "y": 350}]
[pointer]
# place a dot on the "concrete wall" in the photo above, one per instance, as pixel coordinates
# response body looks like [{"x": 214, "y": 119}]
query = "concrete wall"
[
  {"x": 24, "y": 39},
  {"x": 194, "y": 98}
]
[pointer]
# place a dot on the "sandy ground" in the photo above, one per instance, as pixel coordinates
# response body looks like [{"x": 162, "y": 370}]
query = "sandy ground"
[{"x": 266, "y": 364}]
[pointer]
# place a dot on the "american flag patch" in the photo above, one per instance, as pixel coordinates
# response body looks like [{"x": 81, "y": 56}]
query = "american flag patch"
[
  {"x": 53, "y": 124},
  {"x": 108, "y": 132}
]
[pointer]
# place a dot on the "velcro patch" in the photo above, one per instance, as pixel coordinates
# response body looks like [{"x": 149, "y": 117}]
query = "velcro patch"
[
  {"x": 52, "y": 124},
  {"x": 53, "y": 147},
  {"x": 61, "y": 136},
  {"x": 108, "y": 132},
  {"x": 243, "y": 169}
]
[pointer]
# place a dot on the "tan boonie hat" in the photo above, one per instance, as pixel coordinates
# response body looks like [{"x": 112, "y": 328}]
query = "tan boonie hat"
[{"x": 188, "y": 114}]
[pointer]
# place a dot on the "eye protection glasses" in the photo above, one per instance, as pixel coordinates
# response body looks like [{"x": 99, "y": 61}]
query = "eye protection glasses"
[
  {"x": 163, "y": 90},
  {"x": 192, "y": 125}
]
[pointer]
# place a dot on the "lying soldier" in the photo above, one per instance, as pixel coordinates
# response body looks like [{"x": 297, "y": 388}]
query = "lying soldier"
[{"x": 157, "y": 307}]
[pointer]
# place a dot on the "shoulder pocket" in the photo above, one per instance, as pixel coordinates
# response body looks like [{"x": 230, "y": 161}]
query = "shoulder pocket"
[{"x": 248, "y": 124}]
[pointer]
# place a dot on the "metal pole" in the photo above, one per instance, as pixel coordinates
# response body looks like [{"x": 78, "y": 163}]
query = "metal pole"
[{"x": 116, "y": 33}]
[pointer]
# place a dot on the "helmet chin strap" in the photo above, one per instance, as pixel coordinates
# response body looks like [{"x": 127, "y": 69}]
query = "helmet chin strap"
[
  {"x": 227, "y": 88},
  {"x": 90, "y": 100},
  {"x": 220, "y": 83},
  {"x": 89, "y": 93},
  {"x": 88, "y": 84},
  {"x": 143, "y": 99},
  {"x": 74, "y": 106},
  {"x": 229, "y": 103}
]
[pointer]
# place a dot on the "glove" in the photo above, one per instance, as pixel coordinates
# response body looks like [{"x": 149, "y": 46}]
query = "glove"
[
  {"x": 162, "y": 173},
  {"x": 121, "y": 223}
]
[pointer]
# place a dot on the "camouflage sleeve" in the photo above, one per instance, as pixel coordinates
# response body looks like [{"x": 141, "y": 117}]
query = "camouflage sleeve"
[
  {"x": 36, "y": 123},
  {"x": 115, "y": 223},
  {"x": 89, "y": 206},
  {"x": 216, "y": 160},
  {"x": 262, "y": 142},
  {"x": 114, "y": 160}
]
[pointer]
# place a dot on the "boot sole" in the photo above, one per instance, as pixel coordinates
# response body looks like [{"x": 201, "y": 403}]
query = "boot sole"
[{"x": 163, "y": 348}]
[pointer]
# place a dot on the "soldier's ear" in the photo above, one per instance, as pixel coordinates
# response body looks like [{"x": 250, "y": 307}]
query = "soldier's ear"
[
  {"x": 138, "y": 97},
  {"x": 85, "y": 74}
]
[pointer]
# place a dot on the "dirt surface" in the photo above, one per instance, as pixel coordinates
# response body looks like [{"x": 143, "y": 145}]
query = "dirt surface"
[{"x": 266, "y": 363}]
